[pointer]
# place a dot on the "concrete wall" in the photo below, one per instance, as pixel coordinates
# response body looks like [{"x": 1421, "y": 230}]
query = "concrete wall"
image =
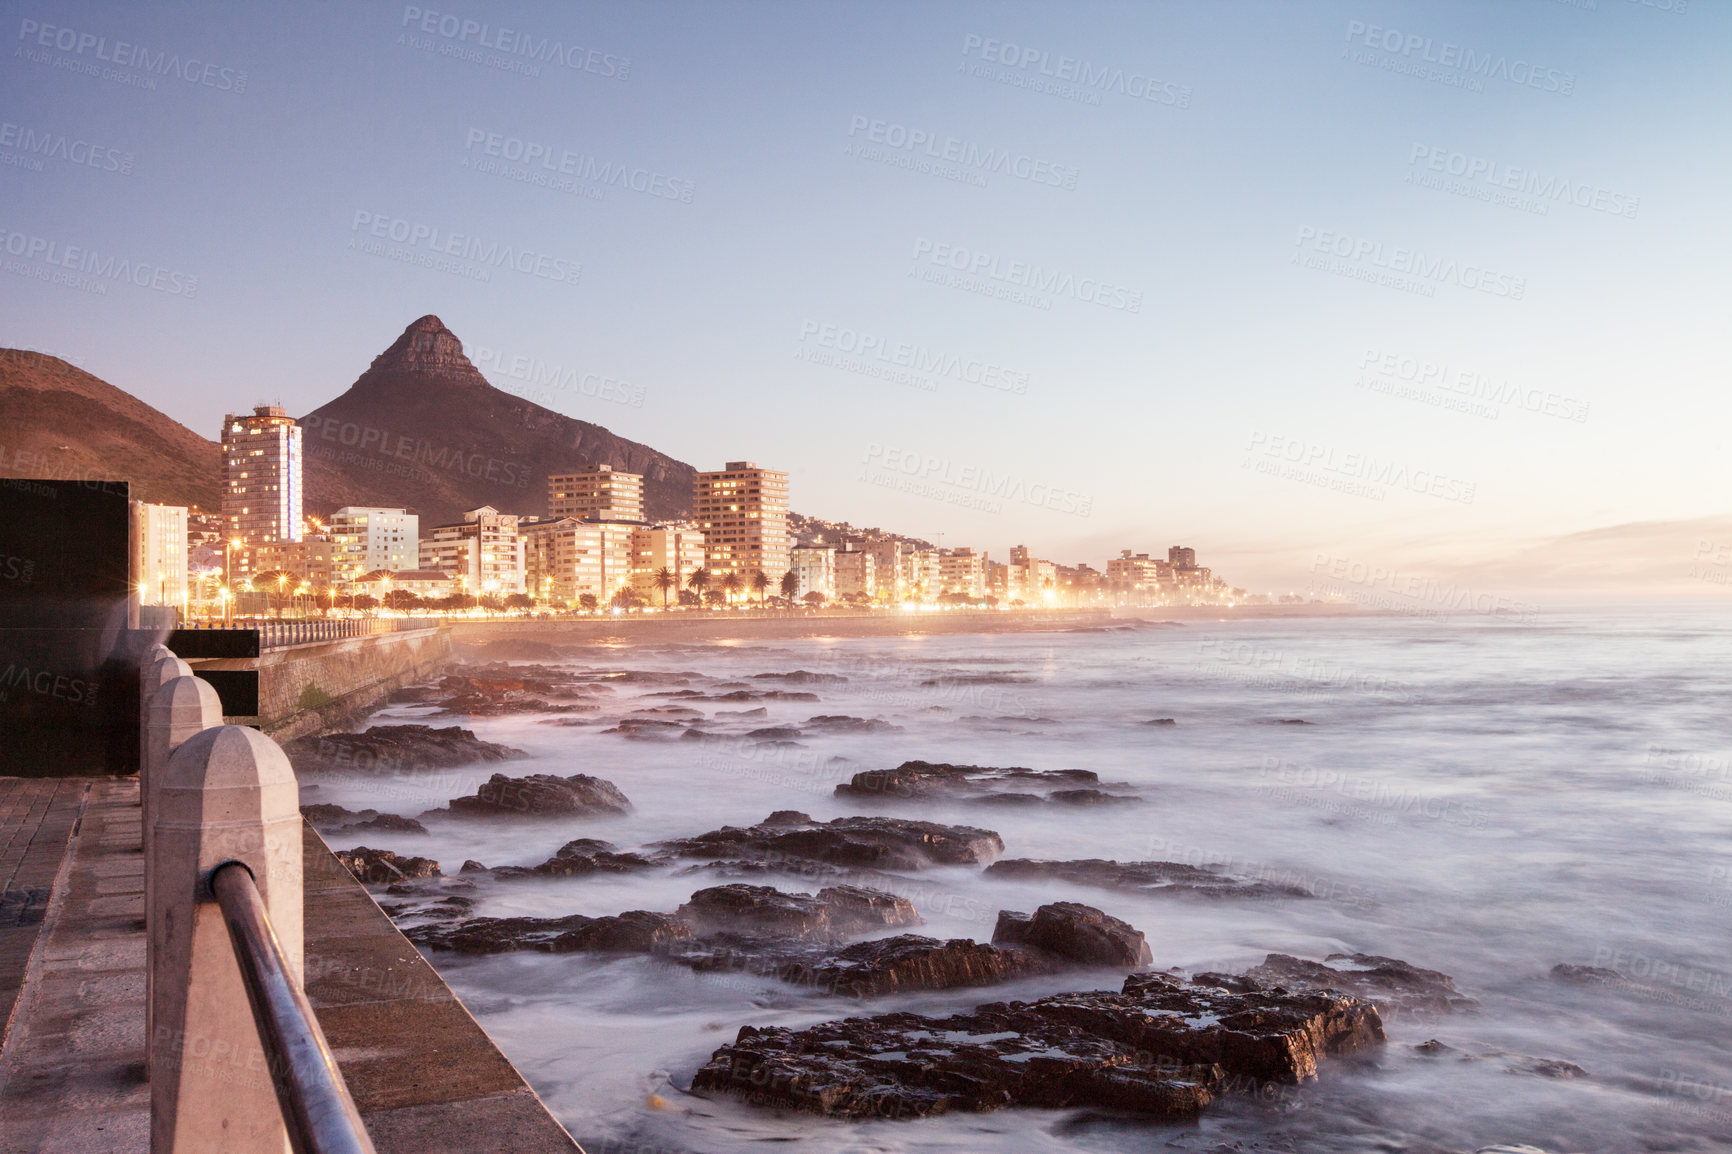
[{"x": 327, "y": 685}]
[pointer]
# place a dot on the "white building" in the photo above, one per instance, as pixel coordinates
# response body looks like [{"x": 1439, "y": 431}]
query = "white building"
[
  {"x": 677, "y": 548},
  {"x": 814, "y": 567},
  {"x": 598, "y": 494},
  {"x": 568, "y": 558},
  {"x": 366, "y": 539},
  {"x": 161, "y": 558},
  {"x": 856, "y": 574},
  {"x": 262, "y": 483},
  {"x": 484, "y": 553}
]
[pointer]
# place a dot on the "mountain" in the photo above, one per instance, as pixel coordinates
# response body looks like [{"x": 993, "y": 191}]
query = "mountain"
[
  {"x": 58, "y": 421},
  {"x": 422, "y": 429}
]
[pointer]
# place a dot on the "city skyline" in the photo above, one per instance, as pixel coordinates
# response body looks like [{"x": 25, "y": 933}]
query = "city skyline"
[{"x": 1076, "y": 255}]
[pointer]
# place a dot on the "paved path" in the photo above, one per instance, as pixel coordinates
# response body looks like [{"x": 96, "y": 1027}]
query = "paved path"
[{"x": 36, "y": 820}]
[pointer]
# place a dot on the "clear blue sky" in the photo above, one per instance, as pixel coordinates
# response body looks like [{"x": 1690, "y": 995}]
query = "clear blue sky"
[{"x": 1277, "y": 132}]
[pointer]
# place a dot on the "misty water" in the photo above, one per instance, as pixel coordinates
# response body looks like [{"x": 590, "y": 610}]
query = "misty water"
[{"x": 1483, "y": 797}]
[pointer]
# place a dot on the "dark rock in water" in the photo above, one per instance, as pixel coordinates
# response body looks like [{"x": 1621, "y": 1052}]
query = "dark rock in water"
[
  {"x": 1394, "y": 986},
  {"x": 387, "y": 823},
  {"x": 1287, "y": 721},
  {"x": 758, "y": 712},
  {"x": 978, "y": 679},
  {"x": 471, "y": 866},
  {"x": 395, "y": 749},
  {"x": 1512, "y": 1063},
  {"x": 503, "y": 689},
  {"x": 381, "y": 866},
  {"x": 912, "y": 962},
  {"x": 636, "y": 931},
  {"x": 1160, "y": 721},
  {"x": 836, "y": 912},
  {"x": 1157, "y": 877},
  {"x": 776, "y": 732},
  {"x": 541, "y": 795},
  {"x": 1158, "y": 1047},
  {"x": 870, "y": 842},
  {"x": 925, "y": 780},
  {"x": 649, "y": 729},
  {"x": 785, "y": 695},
  {"x": 1075, "y": 932},
  {"x": 580, "y": 858},
  {"x": 803, "y": 677},
  {"x": 324, "y": 815},
  {"x": 1564, "y": 972},
  {"x": 841, "y": 723}
]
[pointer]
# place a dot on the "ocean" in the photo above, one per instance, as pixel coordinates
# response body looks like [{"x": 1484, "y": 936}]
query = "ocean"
[{"x": 1485, "y": 797}]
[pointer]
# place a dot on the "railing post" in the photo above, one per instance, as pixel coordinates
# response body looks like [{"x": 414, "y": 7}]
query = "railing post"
[{"x": 226, "y": 794}]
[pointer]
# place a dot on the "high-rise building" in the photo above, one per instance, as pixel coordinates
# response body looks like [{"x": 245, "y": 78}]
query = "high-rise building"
[
  {"x": 365, "y": 539},
  {"x": 483, "y": 552},
  {"x": 814, "y": 569},
  {"x": 856, "y": 574},
  {"x": 742, "y": 511},
  {"x": 567, "y": 557},
  {"x": 886, "y": 569},
  {"x": 922, "y": 575},
  {"x": 597, "y": 494},
  {"x": 162, "y": 554},
  {"x": 1182, "y": 557},
  {"x": 962, "y": 571},
  {"x": 261, "y": 481},
  {"x": 678, "y": 548}
]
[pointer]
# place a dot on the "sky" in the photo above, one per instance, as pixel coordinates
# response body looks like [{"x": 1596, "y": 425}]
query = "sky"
[{"x": 1364, "y": 287}]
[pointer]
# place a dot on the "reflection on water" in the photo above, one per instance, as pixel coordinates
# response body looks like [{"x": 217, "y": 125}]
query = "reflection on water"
[{"x": 1476, "y": 797}]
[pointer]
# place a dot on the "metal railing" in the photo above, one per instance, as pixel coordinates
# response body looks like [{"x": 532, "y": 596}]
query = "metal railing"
[
  {"x": 318, "y": 1112},
  {"x": 280, "y": 634}
]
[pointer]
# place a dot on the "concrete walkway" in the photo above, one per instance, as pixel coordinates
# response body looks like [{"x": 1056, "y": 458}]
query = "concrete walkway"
[{"x": 426, "y": 1077}]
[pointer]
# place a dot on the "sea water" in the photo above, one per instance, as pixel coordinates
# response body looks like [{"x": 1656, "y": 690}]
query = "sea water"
[{"x": 1485, "y": 797}]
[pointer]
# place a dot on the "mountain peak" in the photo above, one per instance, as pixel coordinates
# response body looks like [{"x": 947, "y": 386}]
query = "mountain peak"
[{"x": 426, "y": 346}]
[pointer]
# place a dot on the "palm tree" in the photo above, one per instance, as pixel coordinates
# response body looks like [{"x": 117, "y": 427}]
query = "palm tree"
[
  {"x": 699, "y": 581},
  {"x": 665, "y": 580},
  {"x": 790, "y": 584},
  {"x": 731, "y": 584},
  {"x": 760, "y": 582}
]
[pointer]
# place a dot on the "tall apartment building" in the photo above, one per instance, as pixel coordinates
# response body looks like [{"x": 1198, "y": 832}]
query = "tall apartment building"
[
  {"x": 742, "y": 511},
  {"x": 1182, "y": 557},
  {"x": 483, "y": 552},
  {"x": 922, "y": 575},
  {"x": 856, "y": 574},
  {"x": 262, "y": 484},
  {"x": 962, "y": 571},
  {"x": 886, "y": 570},
  {"x": 365, "y": 539},
  {"x": 161, "y": 546},
  {"x": 1138, "y": 572},
  {"x": 814, "y": 568},
  {"x": 678, "y": 548},
  {"x": 598, "y": 494},
  {"x": 567, "y": 557}
]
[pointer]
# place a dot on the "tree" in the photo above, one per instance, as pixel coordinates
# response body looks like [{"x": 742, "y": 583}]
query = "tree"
[
  {"x": 520, "y": 601},
  {"x": 731, "y": 584},
  {"x": 492, "y": 602},
  {"x": 402, "y": 599},
  {"x": 687, "y": 597},
  {"x": 587, "y": 601},
  {"x": 760, "y": 582},
  {"x": 366, "y": 601},
  {"x": 714, "y": 596},
  {"x": 665, "y": 580},
  {"x": 814, "y": 599},
  {"x": 699, "y": 581},
  {"x": 628, "y": 599},
  {"x": 790, "y": 584}
]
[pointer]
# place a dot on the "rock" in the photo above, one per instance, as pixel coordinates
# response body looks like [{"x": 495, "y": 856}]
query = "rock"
[
  {"x": 648, "y": 728},
  {"x": 1394, "y": 986},
  {"x": 926, "y": 780},
  {"x": 868, "y": 842},
  {"x": 803, "y": 677},
  {"x": 471, "y": 866},
  {"x": 776, "y": 733},
  {"x": 385, "y": 822},
  {"x": 1156, "y": 877},
  {"x": 395, "y": 749},
  {"x": 1158, "y": 1047},
  {"x": 758, "y": 712},
  {"x": 579, "y": 858},
  {"x": 381, "y": 866},
  {"x": 541, "y": 795},
  {"x": 912, "y": 962},
  {"x": 1076, "y": 933},
  {"x": 324, "y": 815},
  {"x": 836, "y": 912},
  {"x": 1160, "y": 721},
  {"x": 1577, "y": 975},
  {"x": 841, "y": 723},
  {"x": 497, "y": 689},
  {"x": 636, "y": 931}
]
